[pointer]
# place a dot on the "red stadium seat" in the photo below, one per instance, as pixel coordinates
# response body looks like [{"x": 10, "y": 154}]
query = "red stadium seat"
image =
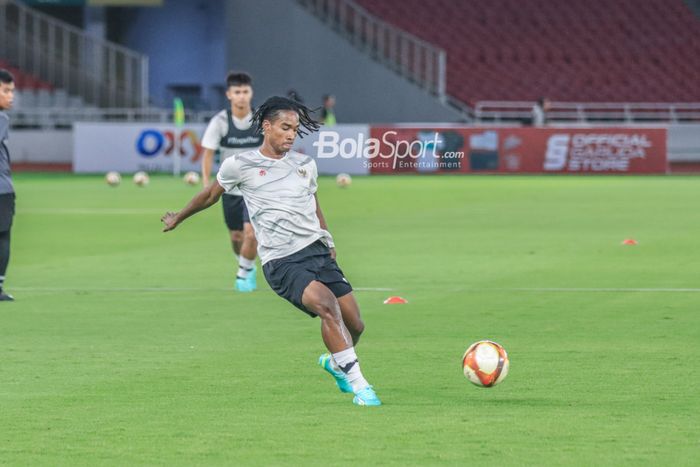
[{"x": 574, "y": 50}]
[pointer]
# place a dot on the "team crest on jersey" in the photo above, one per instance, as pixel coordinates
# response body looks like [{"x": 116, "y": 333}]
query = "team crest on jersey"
[
  {"x": 301, "y": 171},
  {"x": 262, "y": 172}
]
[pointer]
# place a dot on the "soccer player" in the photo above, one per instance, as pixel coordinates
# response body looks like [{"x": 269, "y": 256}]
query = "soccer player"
[
  {"x": 230, "y": 132},
  {"x": 7, "y": 191},
  {"x": 295, "y": 247}
]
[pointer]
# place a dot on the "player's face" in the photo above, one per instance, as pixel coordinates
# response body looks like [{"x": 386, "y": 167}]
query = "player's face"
[
  {"x": 282, "y": 130},
  {"x": 240, "y": 96},
  {"x": 7, "y": 95}
]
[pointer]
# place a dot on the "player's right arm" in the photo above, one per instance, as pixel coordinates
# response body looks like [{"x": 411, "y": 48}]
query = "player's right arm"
[
  {"x": 202, "y": 200},
  {"x": 210, "y": 142},
  {"x": 207, "y": 162}
]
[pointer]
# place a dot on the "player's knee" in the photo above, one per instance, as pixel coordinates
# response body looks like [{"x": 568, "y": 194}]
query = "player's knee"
[
  {"x": 327, "y": 309},
  {"x": 358, "y": 327}
]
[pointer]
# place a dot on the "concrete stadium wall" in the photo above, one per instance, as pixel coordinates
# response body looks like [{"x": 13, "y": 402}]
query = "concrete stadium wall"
[
  {"x": 185, "y": 44},
  {"x": 285, "y": 47},
  {"x": 41, "y": 146}
]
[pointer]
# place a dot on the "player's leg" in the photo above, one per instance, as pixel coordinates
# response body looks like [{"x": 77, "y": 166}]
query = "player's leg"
[
  {"x": 249, "y": 250},
  {"x": 350, "y": 311},
  {"x": 320, "y": 300},
  {"x": 4, "y": 261},
  {"x": 7, "y": 211},
  {"x": 236, "y": 241},
  {"x": 233, "y": 207},
  {"x": 249, "y": 246}
]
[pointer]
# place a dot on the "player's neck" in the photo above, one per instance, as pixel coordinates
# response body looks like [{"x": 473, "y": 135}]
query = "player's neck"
[
  {"x": 241, "y": 113},
  {"x": 268, "y": 151}
]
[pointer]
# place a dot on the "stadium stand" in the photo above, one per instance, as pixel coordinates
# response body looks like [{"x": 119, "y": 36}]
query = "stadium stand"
[
  {"x": 573, "y": 51},
  {"x": 56, "y": 64},
  {"x": 25, "y": 81}
]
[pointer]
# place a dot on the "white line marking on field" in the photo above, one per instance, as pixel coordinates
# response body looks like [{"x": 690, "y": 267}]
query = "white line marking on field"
[
  {"x": 604, "y": 289},
  {"x": 90, "y": 211},
  {"x": 578, "y": 289},
  {"x": 160, "y": 289},
  {"x": 377, "y": 289}
]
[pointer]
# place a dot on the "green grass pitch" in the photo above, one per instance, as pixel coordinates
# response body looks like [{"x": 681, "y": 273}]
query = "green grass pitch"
[{"x": 127, "y": 346}]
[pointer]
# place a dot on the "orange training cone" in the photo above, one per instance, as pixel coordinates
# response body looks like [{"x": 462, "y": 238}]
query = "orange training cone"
[
  {"x": 630, "y": 241},
  {"x": 395, "y": 300}
]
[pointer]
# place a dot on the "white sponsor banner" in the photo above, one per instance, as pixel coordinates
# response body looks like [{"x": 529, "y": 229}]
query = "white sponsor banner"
[
  {"x": 130, "y": 147},
  {"x": 335, "y": 149}
]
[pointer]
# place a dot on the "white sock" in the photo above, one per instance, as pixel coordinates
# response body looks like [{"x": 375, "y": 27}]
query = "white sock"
[
  {"x": 348, "y": 364},
  {"x": 245, "y": 265}
]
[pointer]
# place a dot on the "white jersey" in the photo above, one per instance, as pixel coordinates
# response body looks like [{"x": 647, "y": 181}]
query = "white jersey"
[
  {"x": 218, "y": 129},
  {"x": 279, "y": 195}
]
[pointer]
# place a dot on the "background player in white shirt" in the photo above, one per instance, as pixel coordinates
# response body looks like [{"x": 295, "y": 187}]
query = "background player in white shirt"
[
  {"x": 230, "y": 132},
  {"x": 296, "y": 249}
]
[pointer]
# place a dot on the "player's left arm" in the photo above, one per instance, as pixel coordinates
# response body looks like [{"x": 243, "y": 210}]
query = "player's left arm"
[{"x": 322, "y": 221}]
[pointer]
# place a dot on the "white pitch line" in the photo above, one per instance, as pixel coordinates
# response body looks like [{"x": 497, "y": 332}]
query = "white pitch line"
[
  {"x": 90, "y": 211},
  {"x": 605, "y": 289},
  {"x": 376, "y": 289},
  {"x": 159, "y": 289},
  {"x": 577, "y": 289}
]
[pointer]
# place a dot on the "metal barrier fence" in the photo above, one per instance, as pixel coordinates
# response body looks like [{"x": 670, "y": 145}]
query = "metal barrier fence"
[
  {"x": 568, "y": 112},
  {"x": 102, "y": 73}
]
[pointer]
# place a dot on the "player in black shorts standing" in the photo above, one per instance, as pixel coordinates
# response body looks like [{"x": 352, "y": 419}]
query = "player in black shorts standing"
[
  {"x": 7, "y": 191},
  {"x": 230, "y": 132}
]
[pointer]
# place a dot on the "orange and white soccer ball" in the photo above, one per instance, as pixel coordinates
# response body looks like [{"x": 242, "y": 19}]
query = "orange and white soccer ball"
[
  {"x": 113, "y": 178},
  {"x": 485, "y": 363},
  {"x": 191, "y": 178},
  {"x": 343, "y": 180},
  {"x": 141, "y": 178}
]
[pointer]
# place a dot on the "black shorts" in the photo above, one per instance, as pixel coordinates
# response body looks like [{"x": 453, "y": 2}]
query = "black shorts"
[
  {"x": 7, "y": 211},
  {"x": 235, "y": 211},
  {"x": 289, "y": 276}
]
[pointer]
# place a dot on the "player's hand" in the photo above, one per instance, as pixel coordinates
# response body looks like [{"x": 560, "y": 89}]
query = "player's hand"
[
  {"x": 333, "y": 254},
  {"x": 170, "y": 221}
]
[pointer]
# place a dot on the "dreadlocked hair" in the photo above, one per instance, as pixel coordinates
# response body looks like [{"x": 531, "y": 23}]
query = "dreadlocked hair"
[{"x": 271, "y": 108}]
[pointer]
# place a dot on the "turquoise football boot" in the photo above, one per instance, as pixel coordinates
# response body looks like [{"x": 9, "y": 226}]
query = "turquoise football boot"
[
  {"x": 366, "y": 396},
  {"x": 252, "y": 278},
  {"x": 242, "y": 285},
  {"x": 340, "y": 379}
]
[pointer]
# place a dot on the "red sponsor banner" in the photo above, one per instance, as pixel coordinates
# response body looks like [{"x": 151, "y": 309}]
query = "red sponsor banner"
[{"x": 516, "y": 150}]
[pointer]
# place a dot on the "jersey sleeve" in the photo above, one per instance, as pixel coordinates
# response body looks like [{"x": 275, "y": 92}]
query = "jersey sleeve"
[
  {"x": 4, "y": 126},
  {"x": 314, "y": 176},
  {"x": 229, "y": 175},
  {"x": 213, "y": 134}
]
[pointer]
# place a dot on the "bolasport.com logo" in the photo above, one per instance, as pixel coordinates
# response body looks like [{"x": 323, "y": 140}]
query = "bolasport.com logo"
[
  {"x": 425, "y": 150},
  {"x": 153, "y": 143}
]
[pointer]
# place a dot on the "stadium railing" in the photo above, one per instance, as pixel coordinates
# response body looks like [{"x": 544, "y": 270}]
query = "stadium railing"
[
  {"x": 102, "y": 73},
  {"x": 60, "y": 117},
  {"x": 406, "y": 54},
  {"x": 579, "y": 112}
]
